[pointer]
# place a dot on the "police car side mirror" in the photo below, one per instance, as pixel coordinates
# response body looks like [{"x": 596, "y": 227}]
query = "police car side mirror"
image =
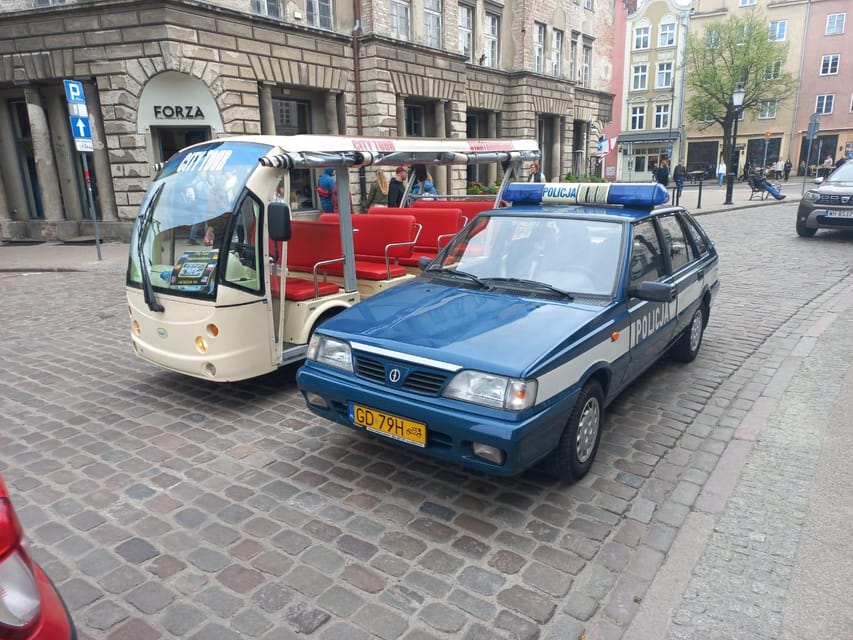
[
  {"x": 278, "y": 219},
  {"x": 654, "y": 291}
]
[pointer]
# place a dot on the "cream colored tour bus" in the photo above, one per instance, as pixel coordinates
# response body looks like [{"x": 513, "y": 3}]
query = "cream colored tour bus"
[{"x": 232, "y": 266}]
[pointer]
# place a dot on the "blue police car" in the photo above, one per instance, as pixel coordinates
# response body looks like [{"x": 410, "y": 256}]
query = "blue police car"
[{"x": 506, "y": 350}]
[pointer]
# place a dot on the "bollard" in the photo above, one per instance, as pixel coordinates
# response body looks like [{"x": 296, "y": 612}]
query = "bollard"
[{"x": 699, "y": 201}]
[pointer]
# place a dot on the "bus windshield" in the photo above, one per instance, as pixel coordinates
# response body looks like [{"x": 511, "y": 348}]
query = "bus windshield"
[{"x": 187, "y": 220}]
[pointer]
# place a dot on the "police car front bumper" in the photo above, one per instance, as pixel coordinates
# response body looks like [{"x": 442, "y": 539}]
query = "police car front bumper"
[{"x": 453, "y": 427}]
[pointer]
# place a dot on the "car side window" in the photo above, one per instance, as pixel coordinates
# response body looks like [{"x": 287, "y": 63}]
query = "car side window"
[
  {"x": 675, "y": 243},
  {"x": 645, "y": 253},
  {"x": 696, "y": 235}
]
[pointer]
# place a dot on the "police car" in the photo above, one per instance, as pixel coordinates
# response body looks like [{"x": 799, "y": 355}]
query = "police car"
[{"x": 507, "y": 348}]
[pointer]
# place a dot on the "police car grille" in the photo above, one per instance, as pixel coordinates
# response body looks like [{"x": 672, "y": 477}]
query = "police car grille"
[
  {"x": 418, "y": 381},
  {"x": 837, "y": 200}
]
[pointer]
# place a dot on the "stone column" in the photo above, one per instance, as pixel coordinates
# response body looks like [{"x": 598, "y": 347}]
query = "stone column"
[
  {"x": 267, "y": 114},
  {"x": 440, "y": 173},
  {"x": 492, "y": 132},
  {"x": 556, "y": 169},
  {"x": 100, "y": 157},
  {"x": 332, "y": 114},
  {"x": 5, "y": 214},
  {"x": 43, "y": 152},
  {"x": 401, "y": 117}
]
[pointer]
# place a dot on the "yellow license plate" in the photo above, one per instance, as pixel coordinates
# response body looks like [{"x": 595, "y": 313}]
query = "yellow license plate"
[{"x": 388, "y": 425}]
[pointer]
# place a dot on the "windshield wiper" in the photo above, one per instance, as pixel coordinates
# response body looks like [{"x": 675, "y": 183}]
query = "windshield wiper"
[
  {"x": 147, "y": 289},
  {"x": 533, "y": 284},
  {"x": 456, "y": 272}
]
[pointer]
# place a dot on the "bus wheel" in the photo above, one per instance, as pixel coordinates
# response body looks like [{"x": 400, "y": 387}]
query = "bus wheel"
[{"x": 575, "y": 452}]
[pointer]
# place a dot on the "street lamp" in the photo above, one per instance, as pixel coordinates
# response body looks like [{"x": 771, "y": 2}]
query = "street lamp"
[{"x": 737, "y": 101}]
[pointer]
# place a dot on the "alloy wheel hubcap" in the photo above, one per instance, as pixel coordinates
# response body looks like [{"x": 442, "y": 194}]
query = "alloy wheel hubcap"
[{"x": 588, "y": 429}]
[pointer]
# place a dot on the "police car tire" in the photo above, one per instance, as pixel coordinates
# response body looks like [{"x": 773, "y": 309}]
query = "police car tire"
[
  {"x": 803, "y": 231},
  {"x": 687, "y": 347},
  {"x": 564, "y": 462}
]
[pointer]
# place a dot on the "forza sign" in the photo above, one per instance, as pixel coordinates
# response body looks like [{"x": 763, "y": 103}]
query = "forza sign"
[{"x": 178, "y": 112}]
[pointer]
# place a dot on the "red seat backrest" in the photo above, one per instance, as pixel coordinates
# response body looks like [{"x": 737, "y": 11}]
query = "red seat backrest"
[
  {"x": 376, "y": 231},
  {"x": 469, "y": 208},
  {"x": 435, "y": 223},
  {"x": 312, "y": 242}
]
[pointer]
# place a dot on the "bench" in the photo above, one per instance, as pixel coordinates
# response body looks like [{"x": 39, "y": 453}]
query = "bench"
[
  {"x": 379, "y": 242},
  {"x": 761, "y": 194},
  {"x": 438, "y": 226}
]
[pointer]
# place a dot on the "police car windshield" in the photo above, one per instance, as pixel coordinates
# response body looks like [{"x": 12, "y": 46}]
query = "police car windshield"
[{"x": 577, "y": 256}]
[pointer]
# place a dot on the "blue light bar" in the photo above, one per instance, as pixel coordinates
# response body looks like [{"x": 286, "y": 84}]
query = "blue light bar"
[{"x": 638, "y": 195}]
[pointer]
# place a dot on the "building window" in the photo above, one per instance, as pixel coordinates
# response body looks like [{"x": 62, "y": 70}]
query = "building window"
[
  {"x": 778, "y": 30},
  {"x": 641, "y": 38},
  {"x": 586, "y": 63},
  {"x": 824, "y": 103},
  {"x": 466, "y": 30},
  {"x": 747, "y": 3},
  {"x": 664, "y": 76},
  {"x": 742, "y": 35},
  {"x": 415, "y": 121},
  {"x": 587, "y": 4},
  {"x": 400, "y": 19},
  {"x": 432, "y": 23},
  {"x": 268, "y": 8},
  {"x": 666, "y": 36},
  {"x": 835, "y": 24},
  {"x": 662, "y": 116},
  {"x": 491, "y": 40},
  {"x": 773, "y": 70},
  {"x": 557, "y": 53},
  {"x": 640, "y": 77},
  {"x": 712, "y": 38},
  {"x": 50, "y": 3},
  {"x": 638, "y": 118},
  {"x": 767, "y": 109},
  {"x": 829, "y": 65},
  {"x": 320, "y": 13},
  {"x": 573, "y": 57},
  {"x": 538, "y": 47}
]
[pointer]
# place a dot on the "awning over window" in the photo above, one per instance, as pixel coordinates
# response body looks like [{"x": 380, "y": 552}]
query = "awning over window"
[{"x": 648, "y": 136}]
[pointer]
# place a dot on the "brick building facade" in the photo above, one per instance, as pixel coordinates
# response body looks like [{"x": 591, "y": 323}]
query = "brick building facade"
[{"x": 160, "y": 74}]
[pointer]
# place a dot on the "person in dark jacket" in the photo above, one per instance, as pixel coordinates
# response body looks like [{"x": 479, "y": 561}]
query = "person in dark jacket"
[
  {"x": 678, "y": 174},
  {"x": 662, "y": 173},
  {"x": 397, "y": 187},
  {"x": 757, "y": 180},
  {"x": 326, "y": 190},
  {"x": 786, "y": 169}
]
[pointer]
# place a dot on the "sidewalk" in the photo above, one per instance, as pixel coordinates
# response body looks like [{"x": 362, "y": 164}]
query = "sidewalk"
[{"x": 59, "y": 256}]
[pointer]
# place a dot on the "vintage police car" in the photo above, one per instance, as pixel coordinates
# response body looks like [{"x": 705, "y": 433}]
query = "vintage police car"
[{"x": 505, "y": 351}]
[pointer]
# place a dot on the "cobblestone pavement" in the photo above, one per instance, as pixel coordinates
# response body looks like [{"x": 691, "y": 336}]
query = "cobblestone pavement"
[{"x": 167, "y": 507}]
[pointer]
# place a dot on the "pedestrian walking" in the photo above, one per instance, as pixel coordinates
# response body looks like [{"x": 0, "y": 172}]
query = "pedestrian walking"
[
  {"x": 786, "y": 170},
  {"x": 325, "y": 189},
  {"x": 721, "y": 172},
  {"x": 678, "y": 174}
]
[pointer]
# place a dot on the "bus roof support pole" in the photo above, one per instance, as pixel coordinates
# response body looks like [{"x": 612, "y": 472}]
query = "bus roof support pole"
[{"x": 345, "y": 223}]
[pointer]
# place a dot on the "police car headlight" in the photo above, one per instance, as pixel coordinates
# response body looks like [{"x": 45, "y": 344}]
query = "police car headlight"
[
  {"x": 811, "y": 196},
  {"x": 492, "y": 390},
  {"x": 326, "y": 350}
]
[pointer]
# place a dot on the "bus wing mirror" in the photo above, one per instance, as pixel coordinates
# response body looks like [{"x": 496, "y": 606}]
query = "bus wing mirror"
[{"x": 278, "y": 218}]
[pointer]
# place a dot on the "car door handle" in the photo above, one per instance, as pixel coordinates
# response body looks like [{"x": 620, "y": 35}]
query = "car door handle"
[{"x": 700, "y": 275}]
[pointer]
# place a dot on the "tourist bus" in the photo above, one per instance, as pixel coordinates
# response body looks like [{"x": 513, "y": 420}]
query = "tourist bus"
[{"x": 230, "y": 268}]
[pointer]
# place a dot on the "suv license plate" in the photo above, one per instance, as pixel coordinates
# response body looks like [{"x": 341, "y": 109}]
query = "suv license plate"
[
  {"x": 838, "y": 214},
  {"x": 388, "y": 425}
]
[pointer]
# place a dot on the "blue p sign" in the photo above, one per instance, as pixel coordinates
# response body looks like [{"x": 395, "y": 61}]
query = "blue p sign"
[{"x": 74, "y": 92}]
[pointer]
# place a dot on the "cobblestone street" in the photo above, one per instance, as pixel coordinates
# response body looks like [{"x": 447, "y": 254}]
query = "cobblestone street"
[{"x": 164, "y": 506}]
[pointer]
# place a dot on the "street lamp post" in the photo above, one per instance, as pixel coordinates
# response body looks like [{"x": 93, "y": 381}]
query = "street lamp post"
[{"x": 737, "y": 101}]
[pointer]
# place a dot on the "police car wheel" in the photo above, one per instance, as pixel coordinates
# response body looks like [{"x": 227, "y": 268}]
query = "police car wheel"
[
  {"x": 575, "y": 452},
  {"x": 687, "y": 347}
]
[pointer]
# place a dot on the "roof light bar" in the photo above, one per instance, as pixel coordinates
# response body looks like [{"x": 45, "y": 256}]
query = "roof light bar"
[{"x": 640, "y": 195}]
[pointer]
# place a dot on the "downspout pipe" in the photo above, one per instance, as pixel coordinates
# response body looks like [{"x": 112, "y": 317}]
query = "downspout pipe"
[{"x": 356, "y": 76}]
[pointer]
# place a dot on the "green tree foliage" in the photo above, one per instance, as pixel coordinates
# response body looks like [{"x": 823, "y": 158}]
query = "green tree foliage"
[{"x": 737, "y": 51}]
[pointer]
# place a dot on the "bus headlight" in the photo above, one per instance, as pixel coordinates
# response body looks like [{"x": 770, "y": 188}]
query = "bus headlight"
[
  {"x": 201, "y": 344},
  {"x": 326, "y": 350},
  {"x": 492, "y": 390}
]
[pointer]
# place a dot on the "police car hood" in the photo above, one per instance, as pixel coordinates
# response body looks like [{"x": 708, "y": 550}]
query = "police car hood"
[{"x": 486, "y": 330}]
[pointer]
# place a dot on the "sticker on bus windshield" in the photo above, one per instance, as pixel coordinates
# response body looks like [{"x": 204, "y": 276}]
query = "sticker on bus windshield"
[{"x": 194, "y": 268}]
